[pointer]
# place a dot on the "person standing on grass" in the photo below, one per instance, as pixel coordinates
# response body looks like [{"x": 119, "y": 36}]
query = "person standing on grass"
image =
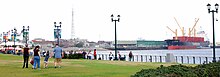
[
  {"x": 111, "y": 56},
  {"x": 58, "y": 51},
  {"x": 89, "y": 55},
  {"x": 46, "y": 59},
  {"x": 119, "y": 56},
  {"x": 95, "y": 54},
  {"x": 37, "y": 57},
  {"x": 130, "y": 56},
  {"x": 84, "y": 54},
  {"x": 26, "y": 55}
]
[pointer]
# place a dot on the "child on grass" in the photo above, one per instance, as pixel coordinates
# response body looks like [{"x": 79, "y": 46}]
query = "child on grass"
[{"x": 46, "y": 59}]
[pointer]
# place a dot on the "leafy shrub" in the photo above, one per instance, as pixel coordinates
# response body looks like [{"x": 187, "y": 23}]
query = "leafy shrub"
[
  {"x": 204, "y": 70},
  {"x": 73, "y": 56},
  {"x": 208, "y": 70}
]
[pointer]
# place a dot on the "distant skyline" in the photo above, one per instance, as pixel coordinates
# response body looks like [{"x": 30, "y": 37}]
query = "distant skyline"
[{"x": 140, "y": 19}]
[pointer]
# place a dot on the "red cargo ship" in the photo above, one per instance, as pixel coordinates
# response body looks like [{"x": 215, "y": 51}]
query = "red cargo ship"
[{"x": 185, "y": 42}]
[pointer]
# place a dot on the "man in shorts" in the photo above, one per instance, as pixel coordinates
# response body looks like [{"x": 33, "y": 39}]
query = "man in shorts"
[{"x": 57, "y": 54}]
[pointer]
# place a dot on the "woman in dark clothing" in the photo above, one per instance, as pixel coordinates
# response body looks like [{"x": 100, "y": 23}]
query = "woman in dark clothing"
[
  {"x": 37, "y": 57},
  {"x": 25, "y": 56},
  {"x": 130, "y": 56}
]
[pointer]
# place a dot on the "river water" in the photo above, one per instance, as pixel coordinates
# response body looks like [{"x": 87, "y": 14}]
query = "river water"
[{"x": 199, "y": 55}]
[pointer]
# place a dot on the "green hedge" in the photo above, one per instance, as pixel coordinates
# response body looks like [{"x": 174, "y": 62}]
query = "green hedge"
[
  {"x": 73, "y": 56},
  {"x": 204, "y": 70}
]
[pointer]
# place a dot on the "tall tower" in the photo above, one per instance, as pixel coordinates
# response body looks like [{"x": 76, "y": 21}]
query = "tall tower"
[{"x": 72, "y": 28}]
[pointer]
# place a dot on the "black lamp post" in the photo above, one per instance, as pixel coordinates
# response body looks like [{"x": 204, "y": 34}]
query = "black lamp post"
[
  {"x": 213, "y": 11},
  {"x": 14, "y": 35},
  {"x": 57, "y": 35},
  {"x": 115, "y": 20},
  {"x": 26, "y": 34}
]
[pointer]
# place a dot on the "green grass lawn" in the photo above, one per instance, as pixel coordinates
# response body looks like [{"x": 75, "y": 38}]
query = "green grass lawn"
[{"x": 11, "y": 66}]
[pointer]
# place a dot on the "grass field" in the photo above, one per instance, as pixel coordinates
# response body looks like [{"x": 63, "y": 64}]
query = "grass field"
[{"x": 11, "y": 66}]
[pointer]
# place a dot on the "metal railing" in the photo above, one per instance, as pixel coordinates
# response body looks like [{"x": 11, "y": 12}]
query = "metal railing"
[{"x": 156, "y": 58}]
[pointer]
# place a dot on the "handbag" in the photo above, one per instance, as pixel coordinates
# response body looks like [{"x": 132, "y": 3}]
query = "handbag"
[{"x": 32, "y": 61}]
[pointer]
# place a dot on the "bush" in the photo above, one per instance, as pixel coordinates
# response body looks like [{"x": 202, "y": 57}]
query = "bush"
[
  {"x": 204, "y": 70},
  {"x": 208, "y": 70},
  {"x": 73, "y": 56}
]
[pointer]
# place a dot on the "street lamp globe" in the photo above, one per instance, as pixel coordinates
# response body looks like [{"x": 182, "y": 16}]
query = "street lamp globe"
[
  {"x": 208, "y": 6},
  {"x": 112, "y": 15},
  {"x": 55, "y": 24},
  {"x": 216, "y": 7},
  {"x": 60, "y": 24},
  {"x": 28, "y": 28},
  {"x": 118, "y": 16}
]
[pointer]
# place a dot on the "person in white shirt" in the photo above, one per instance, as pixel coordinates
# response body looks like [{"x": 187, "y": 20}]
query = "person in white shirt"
[
  {"x": 90, "y": 55},
  {"x": 111, "y": 56}
]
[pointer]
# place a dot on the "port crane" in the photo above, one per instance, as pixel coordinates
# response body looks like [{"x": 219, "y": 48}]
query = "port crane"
[
  {"x": 190, "y": 30},
  {"x": 181, "y": 28},
  {"x": 193, "y": 28},
  {"x": 175, "y": 32}
]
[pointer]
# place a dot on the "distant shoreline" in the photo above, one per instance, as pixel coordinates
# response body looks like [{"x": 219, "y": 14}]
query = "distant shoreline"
[{"x": 78, "y": 49}]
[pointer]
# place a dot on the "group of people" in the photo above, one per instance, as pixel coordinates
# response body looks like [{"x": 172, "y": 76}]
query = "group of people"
[
  {"x": 111, "y": 56},
  {"x": 89, "y": 55},
  {"x": 58, "y": 54},
  {"x": 119, "y": 57}
]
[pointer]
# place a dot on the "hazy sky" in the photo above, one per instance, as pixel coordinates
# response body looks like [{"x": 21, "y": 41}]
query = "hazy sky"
[{"x": 146, "y": 19}]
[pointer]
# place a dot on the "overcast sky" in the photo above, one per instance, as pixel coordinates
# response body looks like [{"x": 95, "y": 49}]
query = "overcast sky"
[{"x": 146, "y": 19}]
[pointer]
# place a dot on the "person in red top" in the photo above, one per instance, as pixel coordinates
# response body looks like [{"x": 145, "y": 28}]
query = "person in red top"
[
  {"x": 95, "y": 54},
  {"x": 25, "y": 55}
]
